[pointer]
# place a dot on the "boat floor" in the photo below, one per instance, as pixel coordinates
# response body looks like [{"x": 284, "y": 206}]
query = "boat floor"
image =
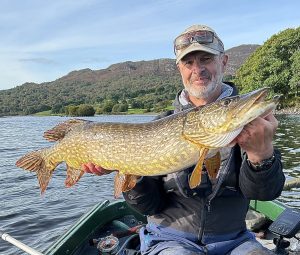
[{"x": 117, "y": 228}]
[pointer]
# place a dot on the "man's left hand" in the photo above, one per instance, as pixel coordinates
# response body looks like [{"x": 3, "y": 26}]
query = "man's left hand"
[{"x": 256, "y": 138}]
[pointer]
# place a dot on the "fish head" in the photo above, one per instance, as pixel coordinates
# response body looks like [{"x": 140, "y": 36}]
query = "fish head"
[
  {"x": 232, "y": 113},
  {"x": 229, "y": 115}
]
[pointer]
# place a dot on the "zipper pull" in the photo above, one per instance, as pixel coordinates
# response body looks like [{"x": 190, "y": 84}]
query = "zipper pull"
[{"x": 209, "y": 206}]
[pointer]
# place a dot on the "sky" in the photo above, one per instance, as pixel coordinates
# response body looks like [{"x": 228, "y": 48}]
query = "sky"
[{"x": 42, "y": 41}]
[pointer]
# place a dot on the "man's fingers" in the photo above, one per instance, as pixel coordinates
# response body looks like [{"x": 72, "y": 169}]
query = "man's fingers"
[
  {"x": 85, "y": 168},
  {"x": 94, "y": 169},
  {"x": 99, "y": 169},
  {"x": 244, "y": 135},
  {"x": 271, "y": 118},
  {"x": 91, "y": 168}
]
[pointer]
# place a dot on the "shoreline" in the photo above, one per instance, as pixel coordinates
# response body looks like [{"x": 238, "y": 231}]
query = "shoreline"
[
  {"x": 284, "y": 111},
  {"x": 288, "y": 111}
]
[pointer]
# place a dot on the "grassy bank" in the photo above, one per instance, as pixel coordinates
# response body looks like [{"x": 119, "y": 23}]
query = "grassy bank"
[{"x": 130, "y": 111}]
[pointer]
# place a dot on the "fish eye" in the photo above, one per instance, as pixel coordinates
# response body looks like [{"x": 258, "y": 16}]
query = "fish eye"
[{"x": 226, "y": 102}]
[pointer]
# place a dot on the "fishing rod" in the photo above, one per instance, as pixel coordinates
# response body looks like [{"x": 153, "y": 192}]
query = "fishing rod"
[{"x": 6, "y": 237}]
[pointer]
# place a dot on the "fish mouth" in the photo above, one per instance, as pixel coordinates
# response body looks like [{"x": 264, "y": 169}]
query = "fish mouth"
[
  {"x": 256, "y": 96},
  {"x": 260, "y": 101},
  {"x": 250, "y": 100},
  {"x": 251, "y": 106}
]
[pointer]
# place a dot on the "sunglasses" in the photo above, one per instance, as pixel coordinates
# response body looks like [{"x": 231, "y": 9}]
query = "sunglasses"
[{"x": 200, "y": 36}]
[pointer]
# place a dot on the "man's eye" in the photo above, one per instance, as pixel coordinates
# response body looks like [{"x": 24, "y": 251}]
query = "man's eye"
[
  {"x": 188, "y": 62},
  {"x": 206, "y": 59}
]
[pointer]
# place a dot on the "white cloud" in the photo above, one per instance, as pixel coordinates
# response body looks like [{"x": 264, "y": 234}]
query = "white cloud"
[
  {"x": 13, "y": 73},
  {"x": 38, "y": 60}
]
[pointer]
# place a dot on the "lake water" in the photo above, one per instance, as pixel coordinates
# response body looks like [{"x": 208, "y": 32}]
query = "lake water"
[{"x": 38, "y": 220}]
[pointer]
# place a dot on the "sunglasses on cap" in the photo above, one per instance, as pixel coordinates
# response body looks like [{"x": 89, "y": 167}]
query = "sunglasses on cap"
[{"x": 200, "y": 36}]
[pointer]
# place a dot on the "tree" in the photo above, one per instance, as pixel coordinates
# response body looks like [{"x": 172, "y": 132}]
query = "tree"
[
  {"x": 116, "y": 108},
  {"x": 85, "y": 110},
  {"x": 295, "y": 80},
  {"x": 107, "y": 107},
  {"x": 272, "y": 65},
  {"x": 71, "y": 110},
  {"x": 137, "y": 104},
  {"x": 120, "y": 108},
  {"x": 57, "y": 108}
]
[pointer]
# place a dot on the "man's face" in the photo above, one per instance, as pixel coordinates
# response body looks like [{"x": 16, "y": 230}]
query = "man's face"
[{"x": 201, "y": 73}]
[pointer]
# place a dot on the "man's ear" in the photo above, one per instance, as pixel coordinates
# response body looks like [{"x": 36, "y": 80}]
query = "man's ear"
[{"x": 224, "y": 62}]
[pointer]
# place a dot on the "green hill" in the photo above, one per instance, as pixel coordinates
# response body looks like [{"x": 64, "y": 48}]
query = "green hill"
[{"x": 145, "y": 84}]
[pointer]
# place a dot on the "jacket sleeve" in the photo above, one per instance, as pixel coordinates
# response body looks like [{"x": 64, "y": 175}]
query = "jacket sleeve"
[
  {"x": 148, "y": 196},
  {"x": 262, "y": 185}
]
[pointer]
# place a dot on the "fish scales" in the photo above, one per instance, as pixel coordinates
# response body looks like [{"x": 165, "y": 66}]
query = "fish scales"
[
  {"x": 148, "y": 149},
  {"x": 142, "y": 149}
]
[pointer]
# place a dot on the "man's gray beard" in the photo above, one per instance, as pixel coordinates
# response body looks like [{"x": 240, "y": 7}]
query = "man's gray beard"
[{"x": 206, "y": 92}]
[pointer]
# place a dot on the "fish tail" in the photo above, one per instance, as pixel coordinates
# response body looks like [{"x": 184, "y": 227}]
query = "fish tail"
[{"x": 35, "y": 162}]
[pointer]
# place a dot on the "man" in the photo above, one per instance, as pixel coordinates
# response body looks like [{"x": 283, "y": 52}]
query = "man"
[{"x": 209, "y": 219}]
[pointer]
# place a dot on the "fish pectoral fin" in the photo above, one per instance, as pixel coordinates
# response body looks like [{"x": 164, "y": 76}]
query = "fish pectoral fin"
[
  {"x": 59, "y": 131},
  {"x": 123, "y": 183},
  {"x": 195, "y": 178},
  {"x": 35, "y": 162},
  {"x": 191, "y": 140},
  {"x": 73, "y": 176},
  {"x": 213, "y": 164},
  {"x": 118, "y": 183}
]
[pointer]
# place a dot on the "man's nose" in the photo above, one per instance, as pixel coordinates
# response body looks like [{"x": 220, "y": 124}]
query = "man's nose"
[{"x": 198, "y": 67}]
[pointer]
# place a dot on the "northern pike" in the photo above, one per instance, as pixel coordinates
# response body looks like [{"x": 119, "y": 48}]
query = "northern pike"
[{"x": 154, "y": 148}]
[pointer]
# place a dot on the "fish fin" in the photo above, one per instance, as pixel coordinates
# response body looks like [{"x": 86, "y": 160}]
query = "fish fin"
[
  {"x": 124, "y": 183},
  {"x": 186, "y": 137},
  {"x": 130, "y": 182},
  {"x": 118, "y": 183},
  {"x": 59, "y": 131},
  {"x": 73, "y": 176},
  {"x": 35, "y": 162},
  {"x": 213, "y": 164},
  {"x": 195, "y": 178}
]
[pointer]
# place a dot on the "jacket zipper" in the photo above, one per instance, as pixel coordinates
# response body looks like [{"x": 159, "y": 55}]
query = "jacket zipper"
[
  {"x": 220, "y": 181},
  {"x": 207, "y": 202},
  {"x": 202, "y": 221}
]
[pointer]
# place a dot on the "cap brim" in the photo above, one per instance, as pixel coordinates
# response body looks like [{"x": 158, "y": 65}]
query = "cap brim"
[{"x": 196, "y": 47}]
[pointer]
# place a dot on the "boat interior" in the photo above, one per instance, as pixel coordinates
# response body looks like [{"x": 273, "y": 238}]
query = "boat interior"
[{"x": 117, "y": 235}]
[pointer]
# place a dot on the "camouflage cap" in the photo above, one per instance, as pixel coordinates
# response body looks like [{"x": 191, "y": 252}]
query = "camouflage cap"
[{"x": 197, "y": 38}]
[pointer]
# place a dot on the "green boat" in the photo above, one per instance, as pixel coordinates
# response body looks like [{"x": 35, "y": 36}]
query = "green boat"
[
  {"x": 110, "y": 226},
  {"x": 103, "y": 220}
]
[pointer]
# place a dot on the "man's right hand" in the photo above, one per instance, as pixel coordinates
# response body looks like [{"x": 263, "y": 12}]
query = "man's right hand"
[{"x": 93, "y": 169}]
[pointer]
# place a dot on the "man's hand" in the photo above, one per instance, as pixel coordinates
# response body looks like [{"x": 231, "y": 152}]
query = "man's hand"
[
  {"x": 93, "y": 169},
  {"x": 256, "y": 138}
]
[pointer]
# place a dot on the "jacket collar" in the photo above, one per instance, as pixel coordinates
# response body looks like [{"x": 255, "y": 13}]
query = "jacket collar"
[{"x": 182, "y": 101}]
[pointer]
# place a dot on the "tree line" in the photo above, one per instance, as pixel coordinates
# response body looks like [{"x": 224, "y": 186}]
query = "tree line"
[{"x": 275, "y": 64}]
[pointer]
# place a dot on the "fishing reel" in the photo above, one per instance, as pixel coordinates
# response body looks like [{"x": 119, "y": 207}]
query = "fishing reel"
[
  {"x": 108, "y": 245},
  {"x": 114, "y": 244}
]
